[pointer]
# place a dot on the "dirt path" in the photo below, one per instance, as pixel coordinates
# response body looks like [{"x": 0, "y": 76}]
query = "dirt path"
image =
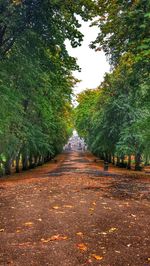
[{"x": 72, "y": 213}]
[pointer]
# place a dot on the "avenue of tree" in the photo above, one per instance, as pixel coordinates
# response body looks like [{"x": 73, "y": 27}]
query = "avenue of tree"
[
  {"x": 36, "y": 80},
  {"x": 115, "y": 118}
]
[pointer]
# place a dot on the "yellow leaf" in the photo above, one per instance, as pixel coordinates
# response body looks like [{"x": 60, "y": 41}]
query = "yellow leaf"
[
  {"x": 94, "y": 203},
  {"x": 79, "y": 234},
  {"x": 28, "y": 223},
  {"x": 82, "y": 247},
  {"x": 111, "y": 230},
  {"x": 2, "y": 230},
  {"x": 68, "y": 206},
  {"x": 91, "y": 209},
  {"x": 148, "y": 259},
  {"x": 56, "y": 207},
  {"x": 97, "y": 257}
]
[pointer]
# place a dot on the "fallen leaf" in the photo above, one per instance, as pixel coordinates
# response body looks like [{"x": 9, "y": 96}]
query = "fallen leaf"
[
  {"x": 133, "y": 215},
  {"x": 148, "y": 259},
  {"x": 94, "y": 203},
  {"x": 25, "y": 244},
  {"x": 68, "y": 206},
  {"x": 91, "y": 209},
  {"x": 56, "y": 207},
  {"x": 53, "y": 238},
  {"x": 28, "y": 223},
  {"x": 79, "y": 234},
  {"x": 97, "y": 257},
  {"x": 111, "y": 230},
  {"x": 102, "y": 233},
  {"x": 2, "y": 230},
  {"x": 82, "y": 247},
  {"x": 107, "y": 208}
]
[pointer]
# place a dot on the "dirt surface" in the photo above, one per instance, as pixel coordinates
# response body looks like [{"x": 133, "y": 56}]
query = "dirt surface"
[{"x": 73, "y": 213}]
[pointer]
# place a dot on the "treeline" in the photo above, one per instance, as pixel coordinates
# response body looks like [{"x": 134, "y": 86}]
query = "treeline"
[
  {"x": 35, "y": 78},
  {"x": 115, "y": 118}
]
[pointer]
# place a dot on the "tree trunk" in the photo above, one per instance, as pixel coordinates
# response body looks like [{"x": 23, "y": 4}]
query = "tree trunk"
[
  {"x": 8, "y": 166},
  {"x": 118, "y": 161},
  {"x": 30, "y": 161},
  {"x": 109, "y": 158},
  {"x": 24, "y": 162},
  {"x": 138, "y": 162},
  {"x": 129, "y": 162},
  {"x": 113, "y": 159},
  {"x": 35, "y": 160},
  {"x": 17, "y": 163}
]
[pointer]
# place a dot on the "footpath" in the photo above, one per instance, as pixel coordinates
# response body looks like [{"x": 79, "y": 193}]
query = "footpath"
[{"x": 71, "y": 213}]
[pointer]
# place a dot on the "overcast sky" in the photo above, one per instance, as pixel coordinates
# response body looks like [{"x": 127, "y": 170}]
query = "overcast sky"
[{"x": 93, "y": 64}]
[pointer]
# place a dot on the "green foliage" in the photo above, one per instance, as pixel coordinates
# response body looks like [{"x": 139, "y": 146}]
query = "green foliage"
[
  {"x": 54, "y": 21},
  {"x": 124, "y": 27},
  {"x": 36, "y": 77},
  {"x": 118, "y": 121}
]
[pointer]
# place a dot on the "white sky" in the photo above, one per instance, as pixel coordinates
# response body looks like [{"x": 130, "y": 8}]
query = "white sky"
[{"x": 93, "y": 64}]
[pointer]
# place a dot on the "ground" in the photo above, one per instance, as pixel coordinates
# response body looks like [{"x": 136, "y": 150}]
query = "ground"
[{"x": 73, "y": 213}]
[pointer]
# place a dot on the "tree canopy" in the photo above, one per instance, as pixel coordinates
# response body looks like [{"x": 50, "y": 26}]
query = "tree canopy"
[
  {"x": 36, "y": 78},
  {"x": 119, "y": 125}
]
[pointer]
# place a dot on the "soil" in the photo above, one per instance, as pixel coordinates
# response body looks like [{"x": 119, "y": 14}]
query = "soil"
[{"x": 72, "y": 213}]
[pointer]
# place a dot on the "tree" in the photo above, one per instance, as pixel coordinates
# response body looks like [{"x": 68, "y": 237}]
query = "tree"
[{"x": 53, "y": 21}]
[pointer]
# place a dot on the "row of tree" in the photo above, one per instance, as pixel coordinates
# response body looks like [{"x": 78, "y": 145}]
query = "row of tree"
[
  {"x": 35, "y": 78},
  {"x": 115, "y": 118}
]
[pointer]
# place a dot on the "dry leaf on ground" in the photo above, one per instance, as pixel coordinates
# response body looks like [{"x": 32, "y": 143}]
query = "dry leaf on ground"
[
  {"x": 111, "y": 230},
  {"x": 53, "y": 238},
  {"x": 82, "y": 247},
  {"x": 97, "y": 257},
  {"x": 79, "y": 234},
  {"x": 56, "y": 207},
  {"x": 28, "y": 223}
]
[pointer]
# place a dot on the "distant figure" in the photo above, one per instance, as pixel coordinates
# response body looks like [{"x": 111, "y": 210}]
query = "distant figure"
[
  {"x": 69, "y": 146},
  {"x": 80, "y": 146}
]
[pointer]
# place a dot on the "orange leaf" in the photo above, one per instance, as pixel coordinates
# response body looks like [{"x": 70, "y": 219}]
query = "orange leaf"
[
  {"x": 97, "y": 257},
  {"x": 53, "y": 238},
  {"x": 82, "y": 247}
]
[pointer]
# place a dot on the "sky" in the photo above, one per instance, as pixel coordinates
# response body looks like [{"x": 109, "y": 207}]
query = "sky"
[{"x": 93, "y": 64}]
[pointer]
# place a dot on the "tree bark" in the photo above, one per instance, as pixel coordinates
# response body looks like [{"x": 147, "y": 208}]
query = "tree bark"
[
  {"x": 24, "y": 162},
  {"x": 17, "y": 163},
  {"x": 113, "y": 159},
  {"x": 129, "y": 162},
  {"x": 118, "y": 161},
  {"x": 8, "y": 167},
  {"x": 138, "y": 162}
]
